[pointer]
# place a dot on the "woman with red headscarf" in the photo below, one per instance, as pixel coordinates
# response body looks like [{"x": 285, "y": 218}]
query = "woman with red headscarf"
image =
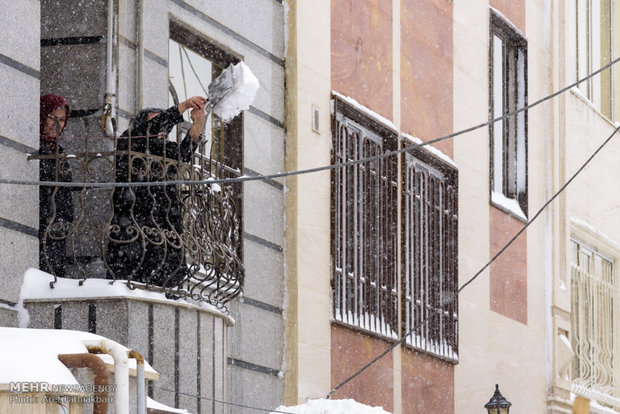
[{"x": 55, "y": 203}]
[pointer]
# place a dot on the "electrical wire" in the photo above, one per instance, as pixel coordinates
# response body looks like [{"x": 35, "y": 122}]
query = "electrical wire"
[
  {"x": 435, "y": 311},
  {"x": 261, "y": 177},
  {"x": 223, "y": 402}
]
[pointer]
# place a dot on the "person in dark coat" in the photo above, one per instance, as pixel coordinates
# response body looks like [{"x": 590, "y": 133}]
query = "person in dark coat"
[
  {"x": 145, "y": 238},
  {"x": 55, "y": 203}
]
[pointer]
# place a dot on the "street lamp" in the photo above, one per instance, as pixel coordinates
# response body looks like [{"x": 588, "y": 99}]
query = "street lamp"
[{"x": 498, "y": 404}]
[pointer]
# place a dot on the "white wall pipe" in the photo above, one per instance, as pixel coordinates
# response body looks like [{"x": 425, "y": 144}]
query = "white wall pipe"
[
  {"x": 121, "y": 371},
  {"x": 110, "y": 92},
  {"x": 140, "y": 381},
  {"x": 140, "y": 55}
]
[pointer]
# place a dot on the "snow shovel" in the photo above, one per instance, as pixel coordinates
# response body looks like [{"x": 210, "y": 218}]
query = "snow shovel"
[{"x": 232, "y": 91}]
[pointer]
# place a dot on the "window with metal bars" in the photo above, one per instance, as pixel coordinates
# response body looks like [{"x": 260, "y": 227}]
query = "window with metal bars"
[
  {"x": 594, "y": 338},
  {"x": 508, "y": 92},
  {"x": 364, "y": 204},
  {"x": 365, "y": 226},
  {"x": 430, "y": 225}
]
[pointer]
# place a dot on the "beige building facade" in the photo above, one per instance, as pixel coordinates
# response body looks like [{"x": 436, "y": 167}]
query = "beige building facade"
[{"x": 541, "y": 319}]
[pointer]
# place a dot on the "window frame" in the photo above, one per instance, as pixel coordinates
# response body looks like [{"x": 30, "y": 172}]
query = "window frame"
[
  {"x": 508, "y": 186},
  {"x": 590, "y": 53}
]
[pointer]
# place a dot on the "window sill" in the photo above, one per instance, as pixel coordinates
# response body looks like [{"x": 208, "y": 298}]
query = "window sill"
[{"x": 508, "y": 205}]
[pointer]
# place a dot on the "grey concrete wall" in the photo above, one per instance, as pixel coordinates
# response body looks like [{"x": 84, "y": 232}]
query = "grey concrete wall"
[
  {"x": 253, "y": 31},
  {"x": 186, "y": 345},
  {"x": 249, "y": 353},
  {"x": 19, "y": 130}
]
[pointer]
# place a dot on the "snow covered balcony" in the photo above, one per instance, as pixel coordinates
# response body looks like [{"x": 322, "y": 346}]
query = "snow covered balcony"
[{"x": 118, "y": 211}]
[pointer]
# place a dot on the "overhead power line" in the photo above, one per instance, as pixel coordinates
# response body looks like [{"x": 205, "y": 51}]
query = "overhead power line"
[
  {"x": 435, "y": 311},
  {"x": 261, "y": 177}
]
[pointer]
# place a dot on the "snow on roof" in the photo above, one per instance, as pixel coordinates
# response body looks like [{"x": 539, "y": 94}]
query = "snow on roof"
[
  {"x": 323, "y": 406},
  {"x": 36, "y": 285},
  {"x": 31, "y": 355}
]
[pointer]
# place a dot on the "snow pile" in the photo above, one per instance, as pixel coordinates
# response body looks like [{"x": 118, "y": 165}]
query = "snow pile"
[
  {"x": 323, "y": 406},
  {"x": 242, "y": 94},
  {"x": 31, "y": 355}
]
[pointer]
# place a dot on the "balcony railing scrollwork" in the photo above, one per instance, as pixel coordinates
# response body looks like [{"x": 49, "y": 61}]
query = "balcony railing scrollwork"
[{"x": 182, "y": 238}]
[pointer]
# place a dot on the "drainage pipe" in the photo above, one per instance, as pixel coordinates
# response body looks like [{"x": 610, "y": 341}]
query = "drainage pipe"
[
  {"x": 140, "y": 381},
  {"x": 102, "y": 378},
  {"x": 109, "y": 109},
  {"x": 140, "y": 55},
  {"x": 121, "y": 370}
]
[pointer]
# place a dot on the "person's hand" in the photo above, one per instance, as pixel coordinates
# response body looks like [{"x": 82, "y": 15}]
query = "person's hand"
[
  {"x": 199, "y": 117},
  {"x": 195, "y": 102}
]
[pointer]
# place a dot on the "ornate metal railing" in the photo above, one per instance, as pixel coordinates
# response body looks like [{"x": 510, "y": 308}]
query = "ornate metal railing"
[{"x": 182, "y": 238}]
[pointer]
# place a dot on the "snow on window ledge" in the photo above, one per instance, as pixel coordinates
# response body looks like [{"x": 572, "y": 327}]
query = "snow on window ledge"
[
  {"x": 365, "y": 110},
  {"x": 510, "y": 205},
  {"x": 430, "y": 149}
]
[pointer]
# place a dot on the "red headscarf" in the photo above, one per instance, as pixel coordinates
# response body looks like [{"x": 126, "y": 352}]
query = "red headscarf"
[{"x": 47, "y": 105}]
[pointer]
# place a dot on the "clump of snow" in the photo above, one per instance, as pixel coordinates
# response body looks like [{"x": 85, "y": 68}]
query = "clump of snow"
[
  {"x": 242, "y": 95},
  {"x": 323, "y": 406}
]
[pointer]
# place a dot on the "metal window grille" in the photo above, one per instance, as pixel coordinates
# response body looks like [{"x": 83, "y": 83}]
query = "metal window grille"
[
  {"x": 364, "y": 204},
  {"x": 595, "y": 300},
  {"x": 365, "y": 223},
  {"x": 430, "y": 258}
]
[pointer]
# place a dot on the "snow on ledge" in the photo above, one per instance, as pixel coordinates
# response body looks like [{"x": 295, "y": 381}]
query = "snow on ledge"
[
  {"x": 508, "y": 22},
  {"x": 596, "y": 232},
  {"x": 429, "y": 148},
  {"x": 367, "y": 111},
  {"x": 323, "y": 406},
  {"x": 36, "y": 286},
  {"x": 509, "y": 204},
  {"x": 31, "y": 355}
]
